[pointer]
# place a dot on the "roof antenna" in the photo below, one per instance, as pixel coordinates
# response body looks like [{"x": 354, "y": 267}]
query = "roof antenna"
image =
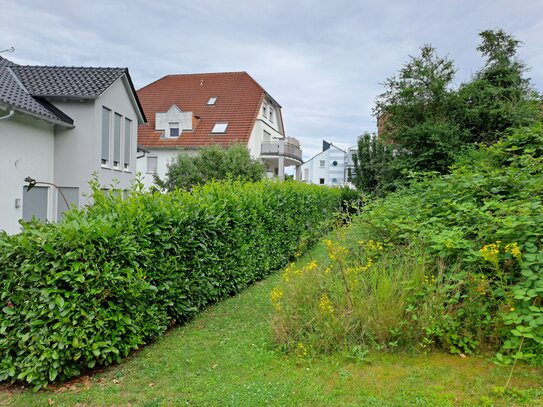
[{"x": 8, "y": 50}]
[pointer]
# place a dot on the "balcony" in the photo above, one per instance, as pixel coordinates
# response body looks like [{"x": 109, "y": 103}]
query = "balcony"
[{"x": 292, "y": 149}]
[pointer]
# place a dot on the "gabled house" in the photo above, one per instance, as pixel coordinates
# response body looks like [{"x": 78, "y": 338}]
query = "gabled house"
[
  {"x": 59, "y": 125},
  {"x": 333, "y": 166},
  {"x": 188, "y": 112}
]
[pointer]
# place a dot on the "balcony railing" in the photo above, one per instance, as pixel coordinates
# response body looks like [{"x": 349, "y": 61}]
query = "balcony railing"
[{"x": 291, "y": 150}]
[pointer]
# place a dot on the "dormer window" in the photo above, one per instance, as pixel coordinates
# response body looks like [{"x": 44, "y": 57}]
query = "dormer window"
[
  {"x": 212, "y": 100},
  {"x": 173, "y": 129},
  {"x": 219, "y": 128}
]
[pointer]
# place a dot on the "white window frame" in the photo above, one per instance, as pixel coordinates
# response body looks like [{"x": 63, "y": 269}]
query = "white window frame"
[
  {"x": 212, "y": 101},
  {"x": 107, "y": 141},
  {"x": 127, "y": 144},
  {"x": 219, "y": 128},
  {"x": 173, "y": 126},
  {"x": 156, "y": 164},
  {"x": 322, "y": 163},
  {"x": 117, "y": 119}
]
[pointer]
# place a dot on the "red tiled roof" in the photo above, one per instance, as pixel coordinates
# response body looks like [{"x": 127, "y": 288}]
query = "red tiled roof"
[{"x": 238, "y": 101}]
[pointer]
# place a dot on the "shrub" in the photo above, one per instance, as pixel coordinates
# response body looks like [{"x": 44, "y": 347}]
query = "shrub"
[
  {"x": 109, "y": 278},
  {"x": 462, "y": 259}
]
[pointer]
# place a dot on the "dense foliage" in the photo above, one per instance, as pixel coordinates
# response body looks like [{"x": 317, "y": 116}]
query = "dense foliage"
[
  {"x": 109, "y": 278},
  {"x": 374, "y": 171},
  {"x": 452, "y": 261},
  {"x": 427, "y": 122},
  {"x": 210, "y": 163}
]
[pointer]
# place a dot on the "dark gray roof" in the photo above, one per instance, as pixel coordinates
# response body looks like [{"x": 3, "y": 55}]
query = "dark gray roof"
[
  {"x": 14, "y": 96},
  {"x": 29, "y": 88},
  {"x": 67, "y": 82}
]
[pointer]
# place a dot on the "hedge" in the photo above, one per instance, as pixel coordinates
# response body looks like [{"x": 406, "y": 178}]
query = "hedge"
[{"x": 109, "y": 278}]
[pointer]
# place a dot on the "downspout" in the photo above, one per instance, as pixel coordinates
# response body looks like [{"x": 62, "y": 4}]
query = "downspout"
[{"x": 10, "y": 114}]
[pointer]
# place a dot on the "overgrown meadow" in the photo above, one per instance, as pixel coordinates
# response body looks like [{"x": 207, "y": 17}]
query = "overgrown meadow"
[
  {"x": 451, "y": 262},
  {"x": 109, "y": 278}
]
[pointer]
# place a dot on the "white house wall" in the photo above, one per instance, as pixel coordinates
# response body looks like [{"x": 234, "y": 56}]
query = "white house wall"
[
  {"x": 263, "y": 123},
  {"x": 26, "y": 149},
  {"x": 78, "y": 150},
  {"x": 332, "y": 175},
  {"x": 164, "y": 157}
]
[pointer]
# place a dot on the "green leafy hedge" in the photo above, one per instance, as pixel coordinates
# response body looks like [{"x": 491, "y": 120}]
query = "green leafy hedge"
[{"x": 109, "y": 278}]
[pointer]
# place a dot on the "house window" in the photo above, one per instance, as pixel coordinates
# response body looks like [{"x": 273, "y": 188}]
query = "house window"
[
  {"x": 271, "y": 115},
  {"x": 306, "y": 174},
  {"x": 212, "y": 100},
  {"x": 321, "y": 181},
  {"x": 334, "y": 163},
  {"x": 349, "y": 173},
  {"x": 355, "y": 157},
  {"x": 106, "y": 119},
  {"x": 219, "y": 128},
  {"x": 265, "y": 110},
  {"x": 127, "y": 143},
  {"x": 266, "y": 136},
  {"x": 117, "y": 140},
  {"x": 322, "y": 163},
  {"x": 152, "y": 164},
  {"x": 334, "y": 180},
  {"x": 174, "y": 129}
]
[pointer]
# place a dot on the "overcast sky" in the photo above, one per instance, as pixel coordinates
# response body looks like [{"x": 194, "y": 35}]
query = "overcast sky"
[{"x": 322, "y": 61}]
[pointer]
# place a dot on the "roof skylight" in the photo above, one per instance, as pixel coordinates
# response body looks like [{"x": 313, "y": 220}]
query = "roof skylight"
[
  {"x": 219, "y": 128},
  {"x": 212, "y": 100}
]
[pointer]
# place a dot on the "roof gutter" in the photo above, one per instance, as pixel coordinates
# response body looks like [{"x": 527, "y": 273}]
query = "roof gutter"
[{"x": 10, "y": 114}]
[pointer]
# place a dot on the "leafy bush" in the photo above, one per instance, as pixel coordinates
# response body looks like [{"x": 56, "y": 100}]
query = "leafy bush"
[
  {"x": 489, "y": 204},
  {"x": 109, "y": 278},
  {"x": 460, "y": 266},
  {"x": 211, "y": 163}
]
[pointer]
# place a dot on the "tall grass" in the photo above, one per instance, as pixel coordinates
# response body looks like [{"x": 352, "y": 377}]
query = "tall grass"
[{"x": 366, "y": 294}]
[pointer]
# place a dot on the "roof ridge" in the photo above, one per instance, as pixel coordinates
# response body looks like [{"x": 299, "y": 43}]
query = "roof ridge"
[
  {"x": 206, "y": 73},
  {"x": 73, "y": 67}
]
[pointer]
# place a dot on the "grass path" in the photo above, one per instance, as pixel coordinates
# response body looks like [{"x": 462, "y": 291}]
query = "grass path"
[{"x": 226, "y": 357}]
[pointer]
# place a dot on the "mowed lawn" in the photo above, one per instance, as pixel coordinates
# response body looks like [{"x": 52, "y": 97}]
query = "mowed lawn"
[{"x": 226, "y": 357}]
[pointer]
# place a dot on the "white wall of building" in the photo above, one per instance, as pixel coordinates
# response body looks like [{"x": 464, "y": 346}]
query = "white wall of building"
[
  {"x": 26, "y": 149},
  {"x": 67, "y": 157},
  {"x": 78, "y": 150},
  {"x": 326, "y": 168},
  {"x": 163, "y": 158}
]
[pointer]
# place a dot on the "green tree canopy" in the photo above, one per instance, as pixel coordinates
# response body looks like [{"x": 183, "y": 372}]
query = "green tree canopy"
[
  {"x": 499, "y": 96},
  {"x": 373, "y": 172},
  {"x": 417, "y": 103},
  {"x": 210, "y": 163},
  {"x": 428, "y": 122}
]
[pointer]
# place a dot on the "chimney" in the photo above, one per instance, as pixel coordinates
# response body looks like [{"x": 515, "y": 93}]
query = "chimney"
[{"x": 325, "y": 145}]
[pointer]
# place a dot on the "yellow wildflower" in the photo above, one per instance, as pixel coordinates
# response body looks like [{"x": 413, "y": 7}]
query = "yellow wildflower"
[
  {"x": 490, "y": 252},
  {"x": 325, "y": 304},
  {"x": 311, "y": 266},
  {"x": 301, "y": 350},
  {"x": 276, "y": 295},
  {"x": 514, "y": 250}
]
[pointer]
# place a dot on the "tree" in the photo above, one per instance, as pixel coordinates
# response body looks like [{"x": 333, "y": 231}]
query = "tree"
[
  {"x": 417, "y": 103},
  {"x": 499, "y": 96},
  {"x": 374, "y": 172},
  {"x": 210, "y": 163}
]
